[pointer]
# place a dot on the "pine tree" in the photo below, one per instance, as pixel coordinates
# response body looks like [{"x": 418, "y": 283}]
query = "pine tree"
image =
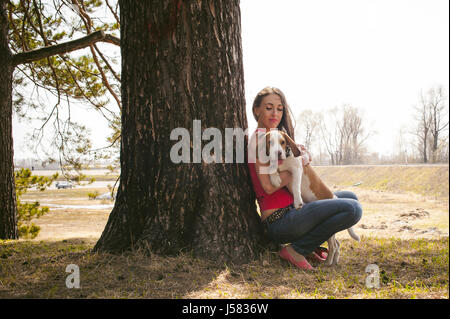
[
  {"x": 182, "y": 61},
  {"x": 30, "y": 39}
]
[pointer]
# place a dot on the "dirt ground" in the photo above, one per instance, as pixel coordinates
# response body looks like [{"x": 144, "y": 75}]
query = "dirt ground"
[{"x": 405, "y": 215}]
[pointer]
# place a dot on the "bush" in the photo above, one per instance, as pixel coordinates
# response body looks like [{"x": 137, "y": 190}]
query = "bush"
[
  {"x": 93, "y": 195},
  {"x": 28, "y": 211}
]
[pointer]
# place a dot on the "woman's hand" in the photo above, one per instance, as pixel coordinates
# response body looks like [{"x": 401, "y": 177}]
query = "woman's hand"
[
  {"x": 264, "y": 179},
  {"x": 306, "y": 156}
]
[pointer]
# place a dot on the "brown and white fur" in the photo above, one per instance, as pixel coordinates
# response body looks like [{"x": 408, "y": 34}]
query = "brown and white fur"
[{"x": 306, "y": 185}]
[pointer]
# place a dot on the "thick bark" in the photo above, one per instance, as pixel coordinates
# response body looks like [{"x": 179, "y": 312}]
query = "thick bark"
[
  {"x": 181, "y": 61},
  {"x": 8, "y": 206}
]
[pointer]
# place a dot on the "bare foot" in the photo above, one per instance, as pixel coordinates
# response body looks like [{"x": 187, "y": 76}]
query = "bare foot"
[{"x": 295, "y": 254}]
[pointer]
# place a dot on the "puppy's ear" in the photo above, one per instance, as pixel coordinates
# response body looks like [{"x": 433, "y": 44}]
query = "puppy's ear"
[{"x": 292, "y": 144}]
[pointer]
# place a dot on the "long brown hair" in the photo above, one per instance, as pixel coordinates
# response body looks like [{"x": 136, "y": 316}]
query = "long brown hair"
[{"x": 286, "y": 120}]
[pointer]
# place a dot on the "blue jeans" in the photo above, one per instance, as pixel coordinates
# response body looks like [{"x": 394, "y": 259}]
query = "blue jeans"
[{"x": 307, "y": 228}]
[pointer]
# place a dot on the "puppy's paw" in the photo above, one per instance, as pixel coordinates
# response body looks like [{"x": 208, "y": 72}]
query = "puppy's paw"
[
  {"x": 336, "y": 258},
  {"x": 330, "y": 259},
  {"x": 298, "y": 204},
  {"x": 275, "y": 180}
]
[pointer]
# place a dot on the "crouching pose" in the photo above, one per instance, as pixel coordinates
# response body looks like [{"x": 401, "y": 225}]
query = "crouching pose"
[
  {"x": 309, "y": 222},
  {"x": 306, "y": 185}
]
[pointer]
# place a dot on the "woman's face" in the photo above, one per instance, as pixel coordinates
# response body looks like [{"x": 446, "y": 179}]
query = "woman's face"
[{"x": 269, "y": 112}]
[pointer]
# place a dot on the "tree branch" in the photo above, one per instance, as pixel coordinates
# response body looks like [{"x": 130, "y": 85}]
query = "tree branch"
[{"x": 30, "y": 56}]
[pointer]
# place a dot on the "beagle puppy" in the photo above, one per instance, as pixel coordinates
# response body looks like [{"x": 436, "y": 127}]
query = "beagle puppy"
[{"x": 306, "y": 185}]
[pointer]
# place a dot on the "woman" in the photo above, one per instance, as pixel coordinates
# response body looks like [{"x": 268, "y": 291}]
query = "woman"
[{"x": 306, "y": 228}]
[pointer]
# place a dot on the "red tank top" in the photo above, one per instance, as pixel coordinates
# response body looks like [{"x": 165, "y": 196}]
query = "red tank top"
[{"x": 279, "y": 199}]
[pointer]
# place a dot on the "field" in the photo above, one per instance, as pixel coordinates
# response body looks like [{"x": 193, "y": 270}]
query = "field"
[{"x": 404, "y": 231}]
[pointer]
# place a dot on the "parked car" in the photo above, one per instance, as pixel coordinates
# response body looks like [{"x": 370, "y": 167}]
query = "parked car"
[{"x": 63, "y": 184}]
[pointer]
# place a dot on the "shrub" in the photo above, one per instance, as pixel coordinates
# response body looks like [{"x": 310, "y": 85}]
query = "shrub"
[
  {"x": 93, "y": 195},
  {"x": 28, "y": 211}
]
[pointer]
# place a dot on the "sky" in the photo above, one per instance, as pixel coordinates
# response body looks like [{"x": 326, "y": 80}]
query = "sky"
[{"x": 376, "y": 55}]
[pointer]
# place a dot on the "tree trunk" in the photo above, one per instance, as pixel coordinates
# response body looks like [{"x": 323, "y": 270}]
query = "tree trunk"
[
  {"x": 425, "y": 146},
  {"x": 181, "y": 61},
  {"x": 8, "y": 205},
  {"x": 435, "y": 147}
]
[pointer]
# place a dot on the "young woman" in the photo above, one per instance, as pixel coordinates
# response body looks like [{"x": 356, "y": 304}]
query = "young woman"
[{"x": 307, "y": 228}]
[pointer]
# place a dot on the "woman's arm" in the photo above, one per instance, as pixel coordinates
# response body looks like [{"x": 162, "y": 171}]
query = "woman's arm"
[{"x": 264, "y": 179}]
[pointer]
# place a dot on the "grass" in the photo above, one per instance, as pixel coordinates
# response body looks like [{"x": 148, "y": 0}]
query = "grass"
[
  {"x": 102, "y": 178},
  {"x": 416, "y": 268}
]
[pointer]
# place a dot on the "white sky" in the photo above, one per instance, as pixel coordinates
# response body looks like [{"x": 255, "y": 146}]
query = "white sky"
[
  {"x": 373, "y": 54},
  {"x": 376, "y": 55}
]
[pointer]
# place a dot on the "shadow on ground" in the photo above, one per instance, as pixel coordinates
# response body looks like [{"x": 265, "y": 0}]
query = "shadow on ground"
[{"x": 408, "y": 268}]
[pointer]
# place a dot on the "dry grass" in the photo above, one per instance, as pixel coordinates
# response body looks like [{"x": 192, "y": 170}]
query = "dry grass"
[
  {"x": 409, "y": 269},
  {"x": 430, "y": 181}
]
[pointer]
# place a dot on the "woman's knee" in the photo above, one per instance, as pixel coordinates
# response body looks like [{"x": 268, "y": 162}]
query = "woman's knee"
[
  {"x": 357, "y": 211},
  {"x": 352, "y": 209},
  {"x": 346, "y": 194}
]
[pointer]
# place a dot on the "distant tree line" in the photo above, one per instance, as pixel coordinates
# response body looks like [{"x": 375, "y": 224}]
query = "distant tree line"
[
  {"x": 431, "y": 129},
  {"x": 338, "y": 136}
]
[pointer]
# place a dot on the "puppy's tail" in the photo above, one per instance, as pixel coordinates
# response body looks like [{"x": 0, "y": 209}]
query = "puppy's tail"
[{"x": 352, "y": 234}]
